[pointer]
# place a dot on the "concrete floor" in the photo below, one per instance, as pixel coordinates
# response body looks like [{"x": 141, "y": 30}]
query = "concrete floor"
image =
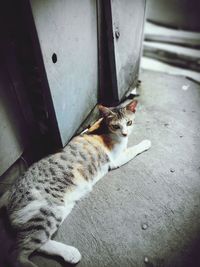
[{"x": 149, "y": 207}]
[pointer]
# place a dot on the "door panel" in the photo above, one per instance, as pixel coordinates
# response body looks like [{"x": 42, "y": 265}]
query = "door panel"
[
  {"x": 67, "y": 32},
  {"x": 128, "y": 22}
]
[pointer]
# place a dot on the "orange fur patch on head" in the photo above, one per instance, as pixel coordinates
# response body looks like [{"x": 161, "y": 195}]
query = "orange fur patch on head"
[{"x": 95, "y": 126}]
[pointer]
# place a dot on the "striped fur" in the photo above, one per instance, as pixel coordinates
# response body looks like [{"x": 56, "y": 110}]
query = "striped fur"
[{"x": 41, "y": 199}]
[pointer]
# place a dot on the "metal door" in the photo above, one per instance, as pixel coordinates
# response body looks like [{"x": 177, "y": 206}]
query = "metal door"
[
  {"x": 128, "y": 21},
  {"x": 67, "y": 32}
]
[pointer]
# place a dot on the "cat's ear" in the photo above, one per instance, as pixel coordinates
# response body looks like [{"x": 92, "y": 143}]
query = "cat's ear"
[
  {"x": 105, "y": 112},
  {"x": 132, "y": 106}
]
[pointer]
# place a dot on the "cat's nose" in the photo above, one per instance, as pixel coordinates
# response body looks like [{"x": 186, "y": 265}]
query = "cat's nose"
[{"x": 124, "y": 134}]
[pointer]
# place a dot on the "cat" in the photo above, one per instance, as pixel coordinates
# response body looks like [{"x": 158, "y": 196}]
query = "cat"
[{"x": 41, "y": 199}]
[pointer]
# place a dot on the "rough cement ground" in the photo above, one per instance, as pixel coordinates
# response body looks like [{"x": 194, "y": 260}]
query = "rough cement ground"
[{"x": 149, "y": 207}]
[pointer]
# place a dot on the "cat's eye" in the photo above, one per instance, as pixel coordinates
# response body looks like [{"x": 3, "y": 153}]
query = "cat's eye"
[
  {"x": 129, "y": 123},
  {"x": 115, "y": 126}
]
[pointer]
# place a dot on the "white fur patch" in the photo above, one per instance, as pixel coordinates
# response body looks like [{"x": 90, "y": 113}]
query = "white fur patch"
[{"x": 23, "y": 215}]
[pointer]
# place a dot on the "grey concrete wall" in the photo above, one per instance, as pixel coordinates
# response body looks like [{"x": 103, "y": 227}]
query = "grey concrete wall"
[{"x": 67, "y": 29}]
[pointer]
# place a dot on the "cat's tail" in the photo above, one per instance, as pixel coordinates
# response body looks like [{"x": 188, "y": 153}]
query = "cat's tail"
[{"x": 4, "y": 199}]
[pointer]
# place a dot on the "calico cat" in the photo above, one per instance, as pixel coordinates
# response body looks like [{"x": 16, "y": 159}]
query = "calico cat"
[{"x": 41, "y": 199}]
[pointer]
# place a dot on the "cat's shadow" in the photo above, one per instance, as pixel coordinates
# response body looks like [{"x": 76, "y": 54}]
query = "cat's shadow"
[
  {"x": 54, "y": 261},
  {"x": 7, "y": 241}
]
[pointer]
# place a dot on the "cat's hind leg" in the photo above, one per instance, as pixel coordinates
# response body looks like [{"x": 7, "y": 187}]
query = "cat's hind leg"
[
  {"x": 28, "y": 240},
  {"x": 68, "y": 253}
]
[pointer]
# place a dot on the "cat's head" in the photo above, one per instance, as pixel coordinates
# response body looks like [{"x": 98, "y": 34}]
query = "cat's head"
[{"x": 119, "y": 120}]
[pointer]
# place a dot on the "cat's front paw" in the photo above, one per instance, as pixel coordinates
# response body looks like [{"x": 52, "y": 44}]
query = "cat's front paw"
[
  {"x": 145, "y": 145},
  {"x": 72, "y": 255}
]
